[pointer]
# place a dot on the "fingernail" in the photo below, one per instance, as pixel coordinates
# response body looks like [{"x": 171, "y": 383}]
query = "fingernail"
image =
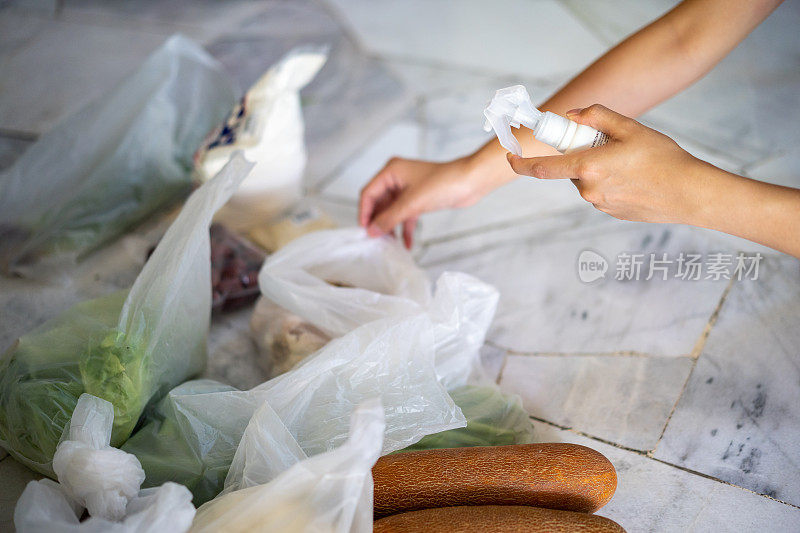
[
  {"x": 509, "y": 156},
  {"x": 373, "y": 230},
  {"x": 574, "y": 111}
]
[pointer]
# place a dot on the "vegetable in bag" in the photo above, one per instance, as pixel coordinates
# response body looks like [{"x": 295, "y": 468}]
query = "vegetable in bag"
[
  {"x": 117, "y": 161},
  {"x": 127, "y": 348},
  {"x": 390, "y": 359}
]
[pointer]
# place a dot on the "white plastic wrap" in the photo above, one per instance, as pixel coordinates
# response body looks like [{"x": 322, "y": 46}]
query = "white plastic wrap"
[
  {"x": 92, "y": 473},
  {"x": 44, "y": 506},
  {"x": 102, "y": 479},
  {"x": 338, "y": 280},
  {"x": 330, "y": 492}
]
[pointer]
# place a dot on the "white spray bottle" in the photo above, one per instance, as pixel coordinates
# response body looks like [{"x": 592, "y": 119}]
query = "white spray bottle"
[{"x": 512, "y": 106}]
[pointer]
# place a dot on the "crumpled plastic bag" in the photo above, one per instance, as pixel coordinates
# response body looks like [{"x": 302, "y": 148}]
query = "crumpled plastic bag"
[
  {"x": 125, "y": 348},
  {"x": 44, "y": 506},
  {"x": 494, "y": 418},
  {"x": 98, "y": 477},
  {"x": 329, "y": 492},
  {"x": 117, "y": 161},
  {"x": 338, "y": 280},
  {"x": 391, "y": 359},
  {"x": 102, "y": 479}
]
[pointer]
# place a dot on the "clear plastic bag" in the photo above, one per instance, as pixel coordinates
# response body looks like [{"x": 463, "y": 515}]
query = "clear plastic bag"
[
  {"x": 117, "y": 161},
  {"x": 339, "y": 280},
  {"x": 390, "y": 359},
  {"x": 493, "y": 419},
  {"x": 103, "y": 480},
  {"x": 125, "y": 348},
  {"x": 329, "y": 492}
]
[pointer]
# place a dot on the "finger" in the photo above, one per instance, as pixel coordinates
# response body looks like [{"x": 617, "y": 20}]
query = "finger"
[
  {"x": 395, "y": 213},
  {"x": 547, "y": 167},
  {"x": 375, "y": 189},
  {"x": 408, "y": 231},
  {"x": 603, "y": 119}
]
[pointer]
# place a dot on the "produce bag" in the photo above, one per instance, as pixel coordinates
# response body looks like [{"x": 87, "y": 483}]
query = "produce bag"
[
  {"x": 117, "y": 161},
  {"x": 103, "y": 480},
  {"x": 329, "y": 492},
  {"x": 268, "y": 126},
  {"x": 338, "y": 280},
  {"x": 391, "y": 359},
  {"x": 493, "y": 418},
  {"x": 128, "y": 349}
]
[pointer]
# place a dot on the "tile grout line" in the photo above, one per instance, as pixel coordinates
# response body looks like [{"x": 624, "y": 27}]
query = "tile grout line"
[
  {"x": 620, "y": 353},
  {"x": 695, "y": 355},
  {"x": 656, "y": 459}
]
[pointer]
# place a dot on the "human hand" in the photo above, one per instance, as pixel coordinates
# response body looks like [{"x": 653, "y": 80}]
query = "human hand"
[
  {"x": 406, "y": 188},
  {"x": 640, "y": 174}
]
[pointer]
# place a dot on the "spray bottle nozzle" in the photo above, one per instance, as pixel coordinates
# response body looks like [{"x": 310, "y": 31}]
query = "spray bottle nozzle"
[{"x": 511, "y": 107}]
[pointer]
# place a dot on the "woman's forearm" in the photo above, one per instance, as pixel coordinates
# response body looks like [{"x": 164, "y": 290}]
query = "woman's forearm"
[
  {"x": 643, "y": 70},
  {"x": 754, "y": 210}
]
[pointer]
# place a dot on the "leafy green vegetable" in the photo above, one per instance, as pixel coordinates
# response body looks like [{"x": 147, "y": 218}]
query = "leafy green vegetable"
[{"x": 493, "y": 419}]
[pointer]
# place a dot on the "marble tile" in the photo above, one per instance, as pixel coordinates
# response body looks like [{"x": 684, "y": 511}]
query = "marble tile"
[
  {"x": 738, "y": 418},
  {"x": 40, "y": 7},
  {"x": 619, "y": 398},
  {"x": 476, "y": 35},
  {"x": 351, "y": 100},
  {"x": 202, "y": 20},
  {"x": 10, "y": 149},
  {"x": 402, "y": 139},
  {"x": 613, "y": 20},
  {"x": 15, "y": 477},
  {"x": 544, "y": 306},
  {"x": 232, "y": 354},
  {"x": 64, "y": 66},
  {"x": 493, "y": 359},
  {"x": 653, "y": 497},
  {"x": 781, "y": 169},
  {"x": 746, "y": 105}
]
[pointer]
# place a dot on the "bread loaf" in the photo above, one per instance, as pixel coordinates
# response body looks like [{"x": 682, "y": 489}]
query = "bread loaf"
[
  {"x": 555, "y": 476},
  {"x": 495, "y": 519}
]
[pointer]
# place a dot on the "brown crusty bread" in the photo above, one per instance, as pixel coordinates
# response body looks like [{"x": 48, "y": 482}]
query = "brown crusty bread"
[
  {"x": 495, "y": 519},
  {"x": 555, "y": 476}
]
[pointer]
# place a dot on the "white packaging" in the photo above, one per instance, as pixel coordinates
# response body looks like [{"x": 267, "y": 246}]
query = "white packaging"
[
  {"x": 512, "y": 106},
  {"x": 267, "y": 126}
]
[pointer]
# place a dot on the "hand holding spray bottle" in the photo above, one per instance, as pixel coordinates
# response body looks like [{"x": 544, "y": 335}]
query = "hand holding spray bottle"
[{"x": 512, "y": 106}]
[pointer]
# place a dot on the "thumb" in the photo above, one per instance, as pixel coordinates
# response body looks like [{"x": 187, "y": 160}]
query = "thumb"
[
  {"x": 399, "y": 211},
  {"x": 603, "y": 119},
  {"x": 546, "y": 167}
]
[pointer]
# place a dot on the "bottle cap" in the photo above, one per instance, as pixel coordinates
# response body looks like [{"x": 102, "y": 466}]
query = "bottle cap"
[{"x": 511, "y": 107}]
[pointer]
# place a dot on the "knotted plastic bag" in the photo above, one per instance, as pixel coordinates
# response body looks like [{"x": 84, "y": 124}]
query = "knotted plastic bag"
[
  {"x": 117, "y": 161},
  {"x": 98, "y": 477},
  {"x": 272, "y": 488},
  {"x": 103, "y": 480},
  {"x": 339, "y": 280},
  {"x": 127, "y": 348}
]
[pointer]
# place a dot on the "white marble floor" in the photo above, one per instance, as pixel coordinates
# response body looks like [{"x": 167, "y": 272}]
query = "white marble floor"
[{"x": 691, "y": 388}]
